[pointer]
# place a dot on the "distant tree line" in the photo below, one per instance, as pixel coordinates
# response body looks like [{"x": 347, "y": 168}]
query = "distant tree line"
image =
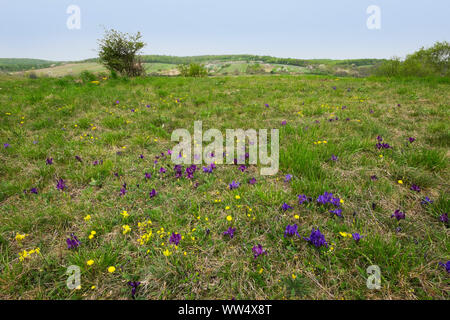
[{"x": 13, "y": 64}]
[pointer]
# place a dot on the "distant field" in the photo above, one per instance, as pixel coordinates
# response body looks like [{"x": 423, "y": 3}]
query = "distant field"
[
  {"x": 83, "y": 159},
  {"x": 217, "y": 65}
]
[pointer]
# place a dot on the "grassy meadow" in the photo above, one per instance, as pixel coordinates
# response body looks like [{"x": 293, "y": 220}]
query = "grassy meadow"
[{"x": 102, "y": 139}]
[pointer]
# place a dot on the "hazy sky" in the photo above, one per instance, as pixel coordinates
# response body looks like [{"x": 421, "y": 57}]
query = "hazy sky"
[{"x": 282, "y": 28}]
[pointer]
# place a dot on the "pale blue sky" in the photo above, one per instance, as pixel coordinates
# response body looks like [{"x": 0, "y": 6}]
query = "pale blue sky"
[{"x": 282, "y": 28}]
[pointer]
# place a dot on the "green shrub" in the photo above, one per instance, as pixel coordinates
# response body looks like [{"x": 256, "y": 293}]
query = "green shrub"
[
  {"x": 118, "y": 52},
  {"x": 87, "y": 76},
  {"x": 192, "y": 70},
  {"x": 434, "y": 61}
]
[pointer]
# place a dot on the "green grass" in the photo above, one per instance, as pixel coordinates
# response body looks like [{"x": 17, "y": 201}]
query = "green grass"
[{"x": 63, "y": 118}]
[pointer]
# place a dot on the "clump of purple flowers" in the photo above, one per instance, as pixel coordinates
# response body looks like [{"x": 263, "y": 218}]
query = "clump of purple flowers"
[
  {"x": 337, "y": 212},
  {"x": 178, "y": 170},
  {"x": 327, "y": 197},
  {"x": 286, "y": 207},
  {"x": 426, "y": 201},
  {"x": 60, "y": 184},
  {"x": 175, "y": 238},
  {"x": 230, "y": 232},
  {"x": 148, "y": 175},
  {"x": 317, "y": 239},
  {"x": 242, "y": 168},
  {"x": 252, "y": 181},
  {"x": 209, "y": 168},
  {"x": 134, "y": 285},
  {"x": 415, "y": 187},
  {"x": 334, "y": 158},
  {"x": 123, "y": 190},
  {"x": 72, "y": 242},
  {"x": 291, "y": 230},
  {"x": 190, "y": 171},
  {"x": 258, "y": 250},
  {"x": 49, "y": 161},
  {"x": 288, "y": 178},
  {"x": 153, "y": 193},
  {"x": 380, "y": 145},
  {"x": 398, "y": 215},
  {"x": 444, "y": 218},
  {"x": 303, "y": 198},
  {"x": 356, "y": 237},
  {"x": 234, "y": 185}
]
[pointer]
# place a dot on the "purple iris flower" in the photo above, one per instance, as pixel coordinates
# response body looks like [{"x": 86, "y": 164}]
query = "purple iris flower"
[
  {"x": 356, "y": 237},
  {"x": 78, "y": 159},
  {"x": 162, "y": 170},
  {"x": 317, "y": 238},
  {"x": 444, "y": 218},
  {"x": 383, "y": 146},
  {"x": 252, "y": 181},
  {"x": 190, "y": 171},
  {"x": 333, "y": 157},
  {"x": 411, "y": 140},
  {"x": 379, "y": 138},
  {"x": 123, "y": 190},
  {"x": 283, "y": 123},
  {"x": 148, "y": 175},
  {"x": 286, "y": 207},
  {"x": 374, "y": 178},
  {"x": 325, "y": 198},
  {"x": 178, "y": 170},
  {"x": 303, "y": 198},
  {"x": 175, "y": 238},
  {"x": 6, "y": 145},
  {"x": 33, "y": 190},
  {"x": 230, "y": 231},
  {"x": 141, "y": 156},
  {"x": 398, "y": 215},
  {"x": 234, "y": 185},
  {"x": 153, "y": 193},
  {"x": 426, "y": 201},
  {"x": 415, "y": 188},
  {"x": 207, "y": 169},
  {"x": 242, "y": 168},
  {"x": 267, "y": 105},
  {"x": 288, "y": 177},
  {"x": 60, "y": 184},
  {"x": 72, "y": 242},
  {"x": 291, "y": 230},
  {"x": 446, "y": 266},
  {"x": 258, "y": 250},
  {"x": 134, "y": 285},
  {"x": 49, "y": 161},
  {"x": 336, "y": 202},
  {"x": 337, "y": 212}
]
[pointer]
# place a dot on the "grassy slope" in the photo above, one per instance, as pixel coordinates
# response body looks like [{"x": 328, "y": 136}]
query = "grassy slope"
[{"x": 68, "y": 119}]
